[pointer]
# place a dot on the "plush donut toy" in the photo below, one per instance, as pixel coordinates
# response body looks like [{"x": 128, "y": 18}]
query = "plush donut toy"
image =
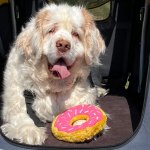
[{"x": 64, "y": 126}]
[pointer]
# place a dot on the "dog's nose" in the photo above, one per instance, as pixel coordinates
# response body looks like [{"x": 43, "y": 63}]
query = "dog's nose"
[{"x": 63, "y": 45}]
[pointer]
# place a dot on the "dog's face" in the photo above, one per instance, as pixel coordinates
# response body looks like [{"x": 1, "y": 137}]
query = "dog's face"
[{"x": 67, "y": 37}]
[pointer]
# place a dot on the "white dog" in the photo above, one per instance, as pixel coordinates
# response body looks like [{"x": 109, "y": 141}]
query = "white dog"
[{"x": 52, "y": 57}]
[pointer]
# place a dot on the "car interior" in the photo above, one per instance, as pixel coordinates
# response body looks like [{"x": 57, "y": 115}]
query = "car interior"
[{"x": 124, "y": 65}]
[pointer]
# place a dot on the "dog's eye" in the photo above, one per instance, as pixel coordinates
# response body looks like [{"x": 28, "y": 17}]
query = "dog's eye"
[
  {"x": 52, "y": 30},
  {"x": 75, "y": 34}
]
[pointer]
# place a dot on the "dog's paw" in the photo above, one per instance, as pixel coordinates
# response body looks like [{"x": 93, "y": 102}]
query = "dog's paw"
[
  {"x": 9, "y": 131},
  {"x": 42, "y": 111},
  {"x": 45, "y": 116},
  {"x": 101, "y": 91},
  {"x": 28, "y": 133}
]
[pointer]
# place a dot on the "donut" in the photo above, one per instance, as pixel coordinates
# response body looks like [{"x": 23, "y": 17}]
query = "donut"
[{"x": 64, "y": 127}]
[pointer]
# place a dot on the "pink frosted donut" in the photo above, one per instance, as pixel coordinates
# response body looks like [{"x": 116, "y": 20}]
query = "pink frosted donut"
[{"x": 95, "y": 121}]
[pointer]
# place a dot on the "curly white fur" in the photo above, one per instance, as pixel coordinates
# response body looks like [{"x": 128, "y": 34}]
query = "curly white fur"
[{"x": 27, "y": 69}]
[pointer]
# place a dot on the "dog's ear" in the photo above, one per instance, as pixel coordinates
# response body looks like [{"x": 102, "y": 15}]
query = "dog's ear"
[
  {"x": 30, "y": 35},
  {"x": 94, "y": 42},
  {"x": 23, "y": 42}
]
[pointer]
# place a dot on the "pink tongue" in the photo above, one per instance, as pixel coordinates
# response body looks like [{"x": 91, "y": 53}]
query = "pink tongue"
[{"x": 60, "y": 70}]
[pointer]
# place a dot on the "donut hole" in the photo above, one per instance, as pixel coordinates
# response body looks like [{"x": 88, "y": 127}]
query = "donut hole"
[{"x": 79, "y": 120}]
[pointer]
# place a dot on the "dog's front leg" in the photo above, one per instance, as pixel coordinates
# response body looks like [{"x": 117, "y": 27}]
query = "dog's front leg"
[{"x": 17, "y": 124}]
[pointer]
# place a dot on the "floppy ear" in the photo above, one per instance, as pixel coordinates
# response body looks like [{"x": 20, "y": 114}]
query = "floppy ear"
[
  {"x": 23, "y": 42},
  {"x": 94, "y": 42},
  {"x": 30, "y": 38}
]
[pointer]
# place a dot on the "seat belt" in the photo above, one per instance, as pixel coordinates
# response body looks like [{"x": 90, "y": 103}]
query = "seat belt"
[{"x": 29, "y": 99}]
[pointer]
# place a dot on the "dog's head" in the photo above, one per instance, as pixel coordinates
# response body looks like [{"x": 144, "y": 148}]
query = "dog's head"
[{"x": 65, "y": 36}]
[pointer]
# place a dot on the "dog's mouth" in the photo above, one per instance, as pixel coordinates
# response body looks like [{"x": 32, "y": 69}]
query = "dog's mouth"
[{"x": 60, "y": 69}]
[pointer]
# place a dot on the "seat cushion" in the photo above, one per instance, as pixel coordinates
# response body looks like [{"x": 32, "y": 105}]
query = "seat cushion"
[{"x": 119, "y": 122}]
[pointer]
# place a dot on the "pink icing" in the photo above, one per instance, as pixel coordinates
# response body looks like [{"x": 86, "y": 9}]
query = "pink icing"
[{"x": 62, "y": 122}]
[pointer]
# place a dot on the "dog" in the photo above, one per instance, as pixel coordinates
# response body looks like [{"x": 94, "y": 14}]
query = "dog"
[{"x": 51, "y": 57}]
